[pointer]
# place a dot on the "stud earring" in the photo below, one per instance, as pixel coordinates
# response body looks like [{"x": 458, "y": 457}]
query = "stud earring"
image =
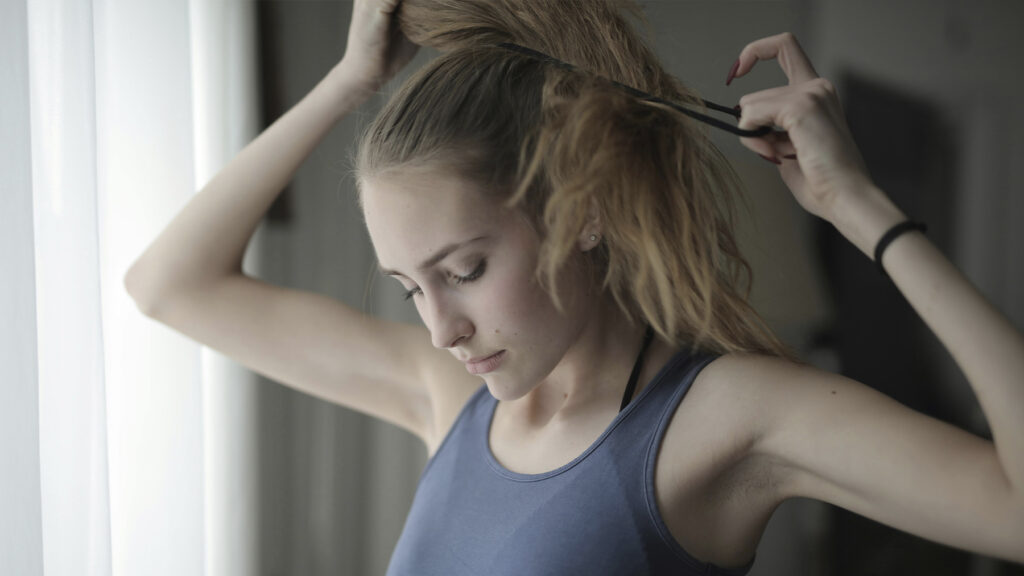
[{"x": 593, "y": 238}]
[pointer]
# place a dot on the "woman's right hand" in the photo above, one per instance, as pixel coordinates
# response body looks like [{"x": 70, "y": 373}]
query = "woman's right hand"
[{"x": 376, "y": 49}]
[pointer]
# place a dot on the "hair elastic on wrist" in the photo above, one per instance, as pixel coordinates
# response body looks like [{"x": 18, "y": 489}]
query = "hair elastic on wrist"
[{"x": 891, "y": 235}]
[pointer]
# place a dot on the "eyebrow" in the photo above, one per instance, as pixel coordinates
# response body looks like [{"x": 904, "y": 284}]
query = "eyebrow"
[{"x": 437, "y": 257}]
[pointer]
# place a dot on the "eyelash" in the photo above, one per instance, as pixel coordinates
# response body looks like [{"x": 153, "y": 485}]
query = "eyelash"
[{"x": 474, "y": 275}]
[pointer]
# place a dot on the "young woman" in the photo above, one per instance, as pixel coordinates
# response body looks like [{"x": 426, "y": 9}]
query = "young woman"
[{"x": 568, "y": 244}]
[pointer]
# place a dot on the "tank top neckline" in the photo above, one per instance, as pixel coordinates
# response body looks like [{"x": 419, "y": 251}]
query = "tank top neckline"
[{"x": 676, "y": 359}]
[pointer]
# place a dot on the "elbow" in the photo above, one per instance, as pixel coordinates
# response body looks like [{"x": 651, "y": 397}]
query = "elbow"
[{"x": 137, "y": 287}]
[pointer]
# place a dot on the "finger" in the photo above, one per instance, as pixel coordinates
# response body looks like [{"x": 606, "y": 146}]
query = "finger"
[
  {"x": 779, "y": 143},
  {"x": 752, "y": 106},
  {"x": 786, "y": 49},
  {"x": 765, "y": 146},
  {"x": 767, "y": 94},
  {"x": 774, "y": 145},
  {"x": 760, "y": 145},
  {"x": 763, "y": 110}
]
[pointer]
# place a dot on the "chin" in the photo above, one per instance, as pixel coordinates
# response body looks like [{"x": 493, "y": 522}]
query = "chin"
[{"x": 503, "y": 390}]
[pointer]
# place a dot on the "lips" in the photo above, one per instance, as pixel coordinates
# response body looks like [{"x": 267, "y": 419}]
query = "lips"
[{"x": 486, "y": 364}]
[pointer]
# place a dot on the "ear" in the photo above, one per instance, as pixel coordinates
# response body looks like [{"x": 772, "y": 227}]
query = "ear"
[{"x": 592, "y": 229}]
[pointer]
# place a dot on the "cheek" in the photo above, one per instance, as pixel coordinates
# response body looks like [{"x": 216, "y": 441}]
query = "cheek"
[{"x": 519, "y": 305}]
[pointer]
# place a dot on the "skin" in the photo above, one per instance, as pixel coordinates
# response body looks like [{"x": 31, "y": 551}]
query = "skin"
[
  {"x": 757, "y": 430},
  {"x": 556, "y": 364},
  {"x": 813, "y": 434}
]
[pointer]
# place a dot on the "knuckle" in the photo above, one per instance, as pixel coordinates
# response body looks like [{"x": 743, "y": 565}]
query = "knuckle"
[
  {"x": 792, "y": 41},
  {"x": 818, "y": 89},
  {"x": 825, "y": 85},
  {"x": 805, "y": 103}
]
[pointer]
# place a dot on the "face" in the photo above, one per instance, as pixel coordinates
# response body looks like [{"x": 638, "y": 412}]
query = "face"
[{"x": 481, "y": 297}]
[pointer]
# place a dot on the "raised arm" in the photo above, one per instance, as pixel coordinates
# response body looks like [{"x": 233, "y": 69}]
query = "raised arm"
[
  {"x": 207, "y": 239},
  {"x": 846, "y": 443},
  {"x": 190, "y": 278}
]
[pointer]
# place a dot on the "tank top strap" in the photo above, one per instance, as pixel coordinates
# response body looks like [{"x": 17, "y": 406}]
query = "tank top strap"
[{"x": 639, "y": 428}]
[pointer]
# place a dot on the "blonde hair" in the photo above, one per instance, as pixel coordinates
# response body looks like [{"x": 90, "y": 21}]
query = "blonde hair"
[{"x": 555, "y": 142}]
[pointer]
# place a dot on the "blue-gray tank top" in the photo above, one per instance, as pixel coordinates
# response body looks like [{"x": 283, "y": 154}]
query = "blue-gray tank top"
[{"x": 593, "y": 516}]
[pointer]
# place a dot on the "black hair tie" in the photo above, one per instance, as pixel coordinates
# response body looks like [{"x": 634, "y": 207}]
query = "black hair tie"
[
  {"x": 757, "y": 132},
  {"x": 891, "y": 235}
]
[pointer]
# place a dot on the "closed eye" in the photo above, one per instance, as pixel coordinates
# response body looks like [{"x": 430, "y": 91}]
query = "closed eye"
[
  {"x": 474, "y": 275},
  {"x": 412, "y": 293},
  {"x": 478, "y": 272}
]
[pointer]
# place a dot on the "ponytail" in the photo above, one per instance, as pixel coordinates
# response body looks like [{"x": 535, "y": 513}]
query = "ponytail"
[
  {"x": 664, "y": 196},
  {"x": 556, "y": 143}
]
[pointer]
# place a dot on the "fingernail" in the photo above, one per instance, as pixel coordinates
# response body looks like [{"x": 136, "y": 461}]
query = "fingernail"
[
  {"x": 772, "y": 160},
  {"x": 790, "y": 156},
  {"x": 732, "y": 72}
]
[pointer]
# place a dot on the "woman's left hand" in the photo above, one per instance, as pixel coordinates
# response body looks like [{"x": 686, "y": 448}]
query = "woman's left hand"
[{"x": 827, "y": 163}]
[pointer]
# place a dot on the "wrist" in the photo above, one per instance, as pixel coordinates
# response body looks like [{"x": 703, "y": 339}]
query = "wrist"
[
  {"x": 342, "y": 91},
  {"x": 863, "y": 215}
]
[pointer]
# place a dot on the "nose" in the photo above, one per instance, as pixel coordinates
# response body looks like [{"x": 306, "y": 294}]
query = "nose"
[{"x": 448, "y": 324}]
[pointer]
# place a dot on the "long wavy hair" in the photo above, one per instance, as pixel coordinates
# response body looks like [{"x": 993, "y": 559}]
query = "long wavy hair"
[{"x": 555, "y": 143}]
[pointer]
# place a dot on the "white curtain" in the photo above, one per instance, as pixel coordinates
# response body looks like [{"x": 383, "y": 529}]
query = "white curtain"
[
  {"x": 105, "y": 434},
  {"x": 225, "y": 119}
]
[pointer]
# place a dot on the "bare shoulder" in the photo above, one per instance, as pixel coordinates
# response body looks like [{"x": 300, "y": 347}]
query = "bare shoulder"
[
  {"x": 776, "y": 408},
  {"x": 752, "y": 386},
  {"x": 829, "y": 437},
  {"x": 732, "y": 389},
  {"x": 710, "y": 472},
  {"x": 735, "y": 407},
  {"x": 716, "y": 427}
]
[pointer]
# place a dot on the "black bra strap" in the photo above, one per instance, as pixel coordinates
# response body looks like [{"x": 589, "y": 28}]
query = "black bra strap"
[{"x": 648, "y": 335}]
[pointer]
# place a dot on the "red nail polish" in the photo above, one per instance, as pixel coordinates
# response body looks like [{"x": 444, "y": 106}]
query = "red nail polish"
[
  {"x": 732, "y": 72},
  {"x": 772, "y": 160}
]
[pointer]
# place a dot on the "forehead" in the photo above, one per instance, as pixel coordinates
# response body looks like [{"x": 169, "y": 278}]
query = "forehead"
[{"x": 412, "y": 213}]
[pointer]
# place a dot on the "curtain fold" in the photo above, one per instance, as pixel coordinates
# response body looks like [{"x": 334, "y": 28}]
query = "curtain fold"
[
  {"x": 21, "y": 543},
  {"x": 145, "y": 174},
  {"x": 70, "y": 347},
  {"x": 101, "y": 409},
  {"x": 226, "y": 107}
]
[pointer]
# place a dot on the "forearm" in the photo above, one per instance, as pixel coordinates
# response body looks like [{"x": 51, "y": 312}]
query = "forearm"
[
  {"x": 982, "y": 341},
  {"x": 208, "y": 237}
]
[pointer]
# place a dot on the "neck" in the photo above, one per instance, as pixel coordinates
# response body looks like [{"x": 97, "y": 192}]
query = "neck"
[{"x": 594, "y": 371}]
